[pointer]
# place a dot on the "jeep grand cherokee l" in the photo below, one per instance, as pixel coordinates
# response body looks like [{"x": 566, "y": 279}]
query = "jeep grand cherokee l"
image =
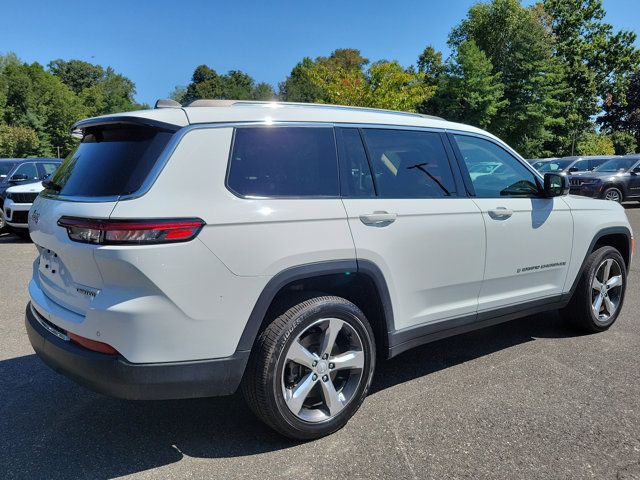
[
  {"x": 616, "y": 180},
  {"x": 285, "y": 248}
]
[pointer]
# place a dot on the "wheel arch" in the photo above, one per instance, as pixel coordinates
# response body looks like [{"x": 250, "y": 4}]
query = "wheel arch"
[
  {"x": 616, "y": 237},
  {"x": 359, "y": 281},
  {"x": 618, "y": 186}
]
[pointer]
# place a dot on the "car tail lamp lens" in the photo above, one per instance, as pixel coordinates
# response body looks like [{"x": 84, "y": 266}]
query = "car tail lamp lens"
[{"x": 131, "y": 232}]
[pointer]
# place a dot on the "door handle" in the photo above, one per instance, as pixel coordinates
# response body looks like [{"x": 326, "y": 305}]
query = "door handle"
[
  {"x": 378, "y": 219},
  {"x": 500, "y": 213}
]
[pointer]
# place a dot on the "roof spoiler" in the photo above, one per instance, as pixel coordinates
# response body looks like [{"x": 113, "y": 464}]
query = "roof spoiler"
[{"x": 78, "y": 127}]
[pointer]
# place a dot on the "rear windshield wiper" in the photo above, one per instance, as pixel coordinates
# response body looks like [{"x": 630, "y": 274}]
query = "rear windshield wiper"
[{"x": 48, "y": 184}]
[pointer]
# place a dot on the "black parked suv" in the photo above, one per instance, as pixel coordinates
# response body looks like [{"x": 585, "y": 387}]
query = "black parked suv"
[
  {"x": 617, "y": 179},
  {"x": 572, "y": 165},
  {"x": 15, "y": 171}
]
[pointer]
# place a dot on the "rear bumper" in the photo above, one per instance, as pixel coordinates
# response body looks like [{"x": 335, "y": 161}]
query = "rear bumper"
[{"x": 113, "y": 375}]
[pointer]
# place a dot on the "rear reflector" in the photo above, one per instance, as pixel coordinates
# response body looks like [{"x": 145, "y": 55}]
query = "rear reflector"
[
  {"x": 92, "y": 344},
  {"x": 131, "y": 232}
]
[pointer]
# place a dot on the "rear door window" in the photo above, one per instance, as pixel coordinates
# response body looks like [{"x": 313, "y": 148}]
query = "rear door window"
[
  {"x": 284, "y": 162},
  {"x": 110, "y": 161},
  {"x": 409, "y": 164}
]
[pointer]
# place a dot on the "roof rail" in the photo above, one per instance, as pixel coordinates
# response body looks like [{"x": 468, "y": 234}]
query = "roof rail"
[{"x": 276, "y": 104}]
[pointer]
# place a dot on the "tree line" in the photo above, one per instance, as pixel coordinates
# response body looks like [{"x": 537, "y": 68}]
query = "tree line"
[{"x": 550, "y": 79}]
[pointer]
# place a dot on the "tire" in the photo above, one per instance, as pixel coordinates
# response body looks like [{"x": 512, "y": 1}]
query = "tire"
[
  {"x": 308, "y": 400},
  {"x": 581, "y": 310},
  {"x": 613, "y": 194}
]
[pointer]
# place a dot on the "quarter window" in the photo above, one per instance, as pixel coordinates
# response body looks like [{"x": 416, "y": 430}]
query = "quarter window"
[
  {"x": 504, "y": 175},
  {"x": 356, "y": 178},
  {"x": 409, "y": 164},
  {"x": 284, "y": 162}
]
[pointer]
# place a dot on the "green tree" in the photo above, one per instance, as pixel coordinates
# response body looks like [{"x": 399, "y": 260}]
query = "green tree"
[
  {"x": 101, "y": 90},
  {"x": 519, "y": 46},
  {"x": 623, "y": 143},
  {"x": 235, "y": 85},
  {"x": 178, "y": 94},
  {"x": 343, "y": 78},
  {"x": 40, "y": 101},
  {"x": 430, "y": 64},
  {"x": 17, "y": 142},
  {"x": 263, "y": 91},
  {"x": 597, "y": 60},
  {"x": 623, "y": 113},
  {"x": 467, "y": 90},
  {"x": 299, "y": 86},
  {"x": 593, "y": 143}
]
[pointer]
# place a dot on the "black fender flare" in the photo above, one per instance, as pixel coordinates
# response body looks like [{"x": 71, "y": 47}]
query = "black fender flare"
[
  {"x": 601, "y": 233},
  {"x": 311, "y": 270}
]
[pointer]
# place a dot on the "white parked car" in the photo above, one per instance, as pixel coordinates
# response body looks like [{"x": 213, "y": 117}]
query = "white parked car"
[
  {"x": 285, "y": 248},
  {"x": 16, "y": 206}
]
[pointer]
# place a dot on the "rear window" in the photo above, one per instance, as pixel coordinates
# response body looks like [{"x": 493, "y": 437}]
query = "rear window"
[
  {"x": 110, "y": 161},
  {"x": 284, "y": 162}
]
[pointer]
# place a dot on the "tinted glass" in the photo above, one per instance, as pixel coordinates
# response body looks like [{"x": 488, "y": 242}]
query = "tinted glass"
[
  {"x": 554, "y": 166},
  {"x": 409, "y": 164},
  {"x": 5, "y": 168},
  {"x": 509, "y": 178},
  {"x": 110, "y": 161},
  {"x": 356, "y": 178},
  {"x": 28, "y": 169},
  {"x": 617, "y": 165},
  {"x": 581, "y": 166},
  {"x": 49, "y": 168},
  {"x": 595, "y": 163},
  {"x": 284, "y": 162}
]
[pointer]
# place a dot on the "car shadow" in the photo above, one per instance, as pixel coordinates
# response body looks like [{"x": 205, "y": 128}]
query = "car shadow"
[
  {"x": 11, "y": 238},
  {"x": 53, "y": 428}
]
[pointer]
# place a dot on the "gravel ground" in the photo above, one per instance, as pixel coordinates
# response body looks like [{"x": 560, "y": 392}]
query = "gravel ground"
[{"x": 528, "y": 399}]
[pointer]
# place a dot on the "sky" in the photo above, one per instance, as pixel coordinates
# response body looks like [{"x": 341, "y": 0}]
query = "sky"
[{"x": 158, "y": 44}]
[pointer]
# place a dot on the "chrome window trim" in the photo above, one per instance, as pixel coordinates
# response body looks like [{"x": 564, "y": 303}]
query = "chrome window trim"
[{"x": 177, "y": 137}]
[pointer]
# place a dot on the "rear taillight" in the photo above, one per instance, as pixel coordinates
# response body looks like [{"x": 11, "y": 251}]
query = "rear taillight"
[{"x": 130, "y": 232}]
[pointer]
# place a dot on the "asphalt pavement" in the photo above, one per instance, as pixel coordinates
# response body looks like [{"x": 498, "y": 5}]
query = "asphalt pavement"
[{"x": 527, "y": 399}]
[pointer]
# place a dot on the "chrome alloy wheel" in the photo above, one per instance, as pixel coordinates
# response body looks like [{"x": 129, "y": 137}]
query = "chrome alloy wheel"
[
  {"x": 606, "y": 289},
  {"x": 613, "y": 195},
  {"x": 323, "y": 368}
]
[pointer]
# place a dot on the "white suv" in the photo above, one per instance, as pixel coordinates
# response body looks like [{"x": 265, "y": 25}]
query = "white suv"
[{"x": 283, "y": 248}]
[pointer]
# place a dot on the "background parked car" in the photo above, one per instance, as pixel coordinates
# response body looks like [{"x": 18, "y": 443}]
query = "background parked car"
[
  {"x": 17, "y": 203},
  {"x": 571, "y": 165},
  {"x": 17, "y": 171},
  {"x": 617, "y": 179}
]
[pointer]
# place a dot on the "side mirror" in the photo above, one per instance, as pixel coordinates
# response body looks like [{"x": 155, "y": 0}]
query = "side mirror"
[
  {"x": 573, "y": 169},
  {"x": 18, "y": 177},
  {"x": 636, "y": 170},
  {"x": 555, "y": 185}
]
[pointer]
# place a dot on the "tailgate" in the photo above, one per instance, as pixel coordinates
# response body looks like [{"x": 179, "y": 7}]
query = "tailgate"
[{"x": 66, "y": 271}]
